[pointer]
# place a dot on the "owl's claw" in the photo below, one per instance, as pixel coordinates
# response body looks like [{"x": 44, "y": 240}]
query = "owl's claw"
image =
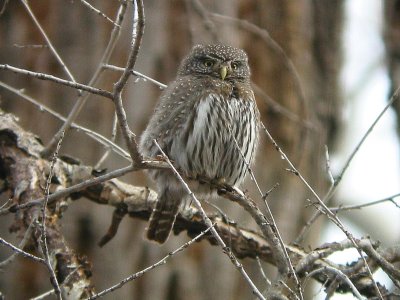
[{"x": 237, "y": 190}]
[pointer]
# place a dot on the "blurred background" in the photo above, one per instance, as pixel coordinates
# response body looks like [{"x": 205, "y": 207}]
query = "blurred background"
[{"x": 322, "y": 72}]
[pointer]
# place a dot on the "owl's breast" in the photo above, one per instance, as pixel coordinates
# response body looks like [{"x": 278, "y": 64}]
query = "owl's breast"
[{"x": 218, "y": 139}]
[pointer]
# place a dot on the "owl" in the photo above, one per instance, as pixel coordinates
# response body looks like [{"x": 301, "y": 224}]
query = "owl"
[{"x": 207, "y": 123}]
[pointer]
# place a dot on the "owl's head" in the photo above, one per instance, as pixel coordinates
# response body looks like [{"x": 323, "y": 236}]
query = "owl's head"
[{"x": 220, "y": 61}]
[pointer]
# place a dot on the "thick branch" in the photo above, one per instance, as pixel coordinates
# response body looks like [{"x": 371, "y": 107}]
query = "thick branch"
[{"x": 24, "y": 172}]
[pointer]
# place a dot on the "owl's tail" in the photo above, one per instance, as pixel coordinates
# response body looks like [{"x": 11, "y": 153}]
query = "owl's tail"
[{"x": 163, "y": 216}]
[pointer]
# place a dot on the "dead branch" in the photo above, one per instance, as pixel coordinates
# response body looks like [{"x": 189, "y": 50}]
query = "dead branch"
[{"x": 24, "y": 173}]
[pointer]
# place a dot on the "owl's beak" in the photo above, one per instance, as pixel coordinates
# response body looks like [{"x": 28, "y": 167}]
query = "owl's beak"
[{"x": 223, "y": 72}]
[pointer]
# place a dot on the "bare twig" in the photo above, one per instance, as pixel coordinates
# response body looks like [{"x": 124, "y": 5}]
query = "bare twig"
[
  {"x": 43, "y": 76},
  {"x": 338, "y": 179},
  {"x": 99, "y": 12},
  {"x": 269, "y": 228},
  {"x": 322, "y": 252},
  {"x": 5, "y": 204},
  {"x": 4, "y": 6},
  {"x": 22, "y": 252},
  {"x": 109, "y": 144},
  {"x": 328, "y": 166},
  {"x": 48, "y": 42},
  {"x": 342, "y": 276},
  {"x": 153, "y": 266},
  {"x": 392, "y": 99},
  {"x": 137, "y": 35},
  {"x": 325, "y": 209},
  {"x": 95, "y": 78},
  {"x": 136, "y": 73},
  {"x": 31, "y": 46},
  {"x": 359, "y": 206},
  {"x": 128, "y": 135},
  {"x": 21, "y": 245},
  {"x": 260, "y": 267},
  {"x": 270, "y": 232},
  {"x": 44, "y": 245},
  {"x": 112, "y": 139},
  {"x": 51, "y": 292},
  {"x": 279, "y": 108}
]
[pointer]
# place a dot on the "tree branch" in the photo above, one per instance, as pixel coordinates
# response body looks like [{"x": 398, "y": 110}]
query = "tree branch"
[
  {"x": 43, "y": 76},
  {"x": 21, "y": 163}
]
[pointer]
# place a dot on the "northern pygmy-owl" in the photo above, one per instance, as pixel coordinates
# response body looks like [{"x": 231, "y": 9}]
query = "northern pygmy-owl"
[{"x": 206, "y": 121}]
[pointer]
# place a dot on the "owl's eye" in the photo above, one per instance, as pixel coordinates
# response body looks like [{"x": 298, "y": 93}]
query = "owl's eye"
[
  {"x": 208, "y": 63},
  {"x": 235, "y": 65}
]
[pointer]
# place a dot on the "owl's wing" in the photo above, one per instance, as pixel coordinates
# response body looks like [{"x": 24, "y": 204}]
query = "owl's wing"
[{"x": 169, "y": 118}]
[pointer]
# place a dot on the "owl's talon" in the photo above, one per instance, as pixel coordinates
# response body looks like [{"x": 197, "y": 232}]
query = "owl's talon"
[
  {"x": 221, "y": 191},
  {"x": 159, "y": 157},
  {"x": 237, "y": 190}
]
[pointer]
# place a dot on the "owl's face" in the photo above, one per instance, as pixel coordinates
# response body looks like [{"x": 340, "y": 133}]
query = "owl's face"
[{"x": 219, "y": 61}]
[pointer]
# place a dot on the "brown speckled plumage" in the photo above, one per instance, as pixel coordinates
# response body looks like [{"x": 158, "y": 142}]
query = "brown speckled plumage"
[{"x": 206, "y": 121}]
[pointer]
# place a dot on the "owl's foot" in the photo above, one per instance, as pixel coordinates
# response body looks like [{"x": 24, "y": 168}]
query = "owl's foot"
[
  {"x": 239, "y": 191},
  {"x": 161, "y": 157},
  {"x": 221, "y": 185}
]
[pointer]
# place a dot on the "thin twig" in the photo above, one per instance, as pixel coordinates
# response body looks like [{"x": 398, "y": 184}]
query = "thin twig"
[
  {"x": 359, "y": 206},
  {"x": 276, "y": 107},
  {"x": 31, "y": 46},
  {"x": 392, "y": 99},
  {"x": 92, "y": 134},
  {"x": 51, "y": 292},
  {"x": 260, "y": 267},
  {"x": 328, "y": 166},
  {"x": 21, "y": 245},
  {"x": 153, "y": 266},
  {"x": 338, "y": 179},
  {"x": 325, "y": 209},
  {"x": 136, "y": 73},
  {"x": 270, "y": 230},
  {"x": 93, "y": 81},
  {"x": 342, "y": 276},
  {"x": 137, "y": 35},
  {"x": 48, "y": 42},
  {"x": 44, "y": 245},
  {"x": 3, "y": 8},
  {"x": 43, "y": 76},
  {"x": 99, "y": 12},
  {"x": 8, "y": 201},
  {"x": 112, "y": 139},
  {"x": 22, "y": 252}
]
